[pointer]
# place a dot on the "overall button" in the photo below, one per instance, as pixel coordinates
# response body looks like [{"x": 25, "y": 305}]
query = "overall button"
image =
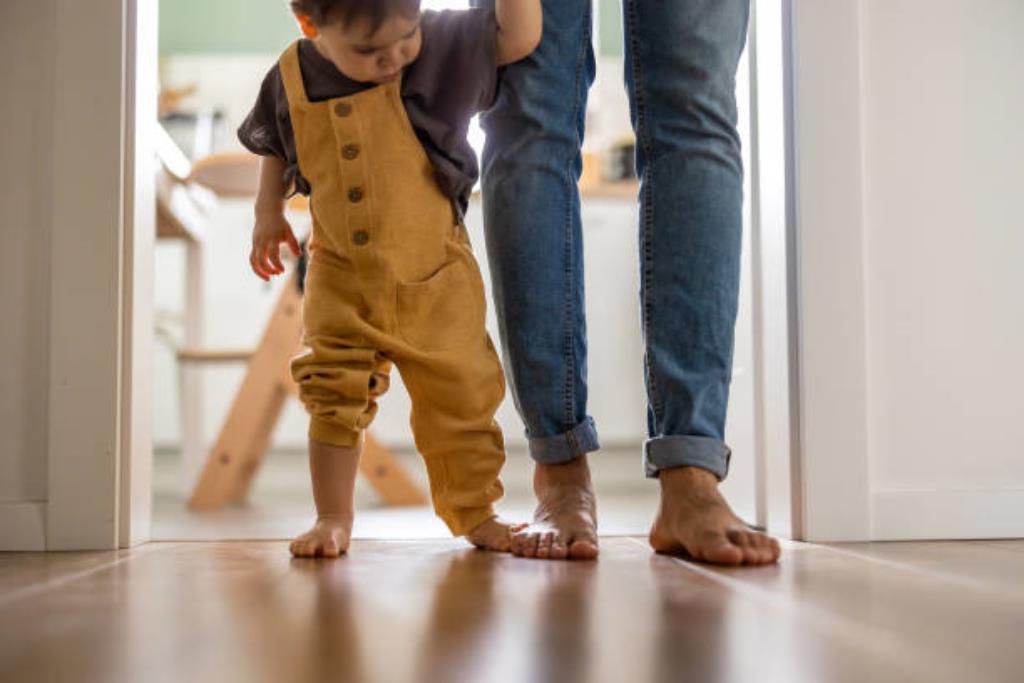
[
  {"x": 350, "y": 152},
  {"x": 360, "y": 237},
  {"x": 343, "y": 109},
  {"x": 355, "y": 195}
]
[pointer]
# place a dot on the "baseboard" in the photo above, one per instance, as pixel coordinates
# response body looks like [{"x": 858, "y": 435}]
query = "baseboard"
[
  {"x": 23, "y": 526},
  {"x": 933, "y": 515}
]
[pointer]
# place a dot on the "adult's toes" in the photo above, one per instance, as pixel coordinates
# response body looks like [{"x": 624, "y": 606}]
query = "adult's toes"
[
  {"x": 559, "y": 551},
  {"x": 524, "y": 545},
  {"x": 730, "y": 548},
  {"x": 544, "y": 545},
  {"x": 764, "y": 548},
  {"x": 722, "y": 553},
  {"x": 753, "y": 553},
  {"x": 745, "y": 543},
  {"x": 583, "y": 547}
]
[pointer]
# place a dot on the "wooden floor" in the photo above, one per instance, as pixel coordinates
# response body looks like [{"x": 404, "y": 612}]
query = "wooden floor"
[{"x": 436, "y": 611}]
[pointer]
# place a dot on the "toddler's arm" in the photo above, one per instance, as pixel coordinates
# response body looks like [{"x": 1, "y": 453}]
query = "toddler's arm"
[
  {"x": 520, "y": 23},
  {"x": 271, "y": 227}
]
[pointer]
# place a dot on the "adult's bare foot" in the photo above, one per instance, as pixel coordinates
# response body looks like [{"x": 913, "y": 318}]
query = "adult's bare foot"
[
  {"x": 493, "y": 534},
  {"x": 329, "y": 537},
  {"x": 565, "y": 522},
  {"x": 695, "y": 520}
]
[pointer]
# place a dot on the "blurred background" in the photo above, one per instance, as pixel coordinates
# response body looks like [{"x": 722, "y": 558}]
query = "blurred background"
[{"x": 211, "y": 311}]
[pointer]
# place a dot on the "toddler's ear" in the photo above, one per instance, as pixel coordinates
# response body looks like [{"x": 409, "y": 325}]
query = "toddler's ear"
[{"x": 306, "y": 24}]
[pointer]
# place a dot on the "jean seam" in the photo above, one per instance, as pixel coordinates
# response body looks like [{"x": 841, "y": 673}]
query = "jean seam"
[
  {"x": 647, "y": 218},
  {"x": 568, "y": 415}
]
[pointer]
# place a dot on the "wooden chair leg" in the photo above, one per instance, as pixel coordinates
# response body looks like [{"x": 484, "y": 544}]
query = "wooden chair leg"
[
  {"x": 244, "y": 436},
  {"x": 258, "y": 443},
  {"x": 387, "y": 476},
  {"x": 191, "y": 388}
]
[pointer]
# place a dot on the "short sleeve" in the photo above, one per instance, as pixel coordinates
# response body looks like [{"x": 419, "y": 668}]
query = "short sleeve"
[
  {"x": 260, "y": 132},
  {"x": 267, "y": 130}
]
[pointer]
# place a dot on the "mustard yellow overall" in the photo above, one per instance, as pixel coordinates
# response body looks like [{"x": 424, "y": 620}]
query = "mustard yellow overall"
[{"x": 392, "y": 279}]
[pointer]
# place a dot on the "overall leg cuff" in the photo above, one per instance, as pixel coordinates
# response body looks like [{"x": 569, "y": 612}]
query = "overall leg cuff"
[
  {"x": 464, "y": 520},
  {"x": 666, "y": 452},
  {"x": 333, "y": 434},
  {"x": 554, "y": 450}
]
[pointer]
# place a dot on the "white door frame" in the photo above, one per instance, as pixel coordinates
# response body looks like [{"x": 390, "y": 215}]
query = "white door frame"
[
  {"x": 98, "y": 446},
  {"x": 811, "y": 459},
  {"x": 776, "y": 409},
  {"x": 825, "y": 181},
  {"x": 809, "y": 303}
]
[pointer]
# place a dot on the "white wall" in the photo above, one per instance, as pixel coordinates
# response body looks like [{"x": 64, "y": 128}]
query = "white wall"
[
  {"x": 908, "y": 167},
  {"x": 26, "y": 132},
  {"x": 944, "y": 245},
  {"x": 68, "y": 144}
]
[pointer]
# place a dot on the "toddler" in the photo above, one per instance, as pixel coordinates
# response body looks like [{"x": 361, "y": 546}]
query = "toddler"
[{"x": 368, "y": 116}]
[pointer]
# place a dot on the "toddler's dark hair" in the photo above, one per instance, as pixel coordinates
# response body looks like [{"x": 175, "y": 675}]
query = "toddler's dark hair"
[{"x": 321, "y": 12}]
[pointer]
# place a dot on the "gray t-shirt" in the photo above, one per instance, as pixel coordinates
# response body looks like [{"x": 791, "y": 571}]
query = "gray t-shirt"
[{"x": 454, "y": 77}]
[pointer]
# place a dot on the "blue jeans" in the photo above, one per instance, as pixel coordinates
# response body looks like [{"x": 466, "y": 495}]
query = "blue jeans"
[{"x": 681, "y": 58}]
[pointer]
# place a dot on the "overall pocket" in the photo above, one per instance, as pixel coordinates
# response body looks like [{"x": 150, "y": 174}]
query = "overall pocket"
[{"x": 445, "y": 310}]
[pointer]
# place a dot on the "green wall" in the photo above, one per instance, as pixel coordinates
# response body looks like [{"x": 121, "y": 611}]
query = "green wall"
[
  {"x": 609, "y": 28},
  {"x": 261, "y": 26},
  {"x": 266, "y": 26}
]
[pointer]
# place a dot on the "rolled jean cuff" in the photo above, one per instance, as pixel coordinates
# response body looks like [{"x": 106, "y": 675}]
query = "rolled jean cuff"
[
  {"x": 666, "y": 452},
  {"x": 554, "y": 450}
]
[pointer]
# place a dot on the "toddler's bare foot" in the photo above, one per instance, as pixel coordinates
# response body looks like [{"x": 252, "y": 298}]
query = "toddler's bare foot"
[
  {"x": 333, "y": 471},
  {"x": 695, "y": 520},
  {"x": 329, "y": 537},
  {"x": 565, "y": 523},
  {"x": 493, "y": 534}
]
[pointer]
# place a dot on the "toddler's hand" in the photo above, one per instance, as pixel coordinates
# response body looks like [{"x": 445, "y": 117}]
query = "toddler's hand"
[{"x": 271, "y": 230}]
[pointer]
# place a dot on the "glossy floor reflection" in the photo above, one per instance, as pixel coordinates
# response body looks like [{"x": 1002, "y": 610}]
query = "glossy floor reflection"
[{"x": 438, "y": 612}]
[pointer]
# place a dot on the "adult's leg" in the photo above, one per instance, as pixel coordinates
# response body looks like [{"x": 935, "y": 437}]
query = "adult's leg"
[
  {"x": 681, "y": 59},
  {"x": 531, "y": 164}
]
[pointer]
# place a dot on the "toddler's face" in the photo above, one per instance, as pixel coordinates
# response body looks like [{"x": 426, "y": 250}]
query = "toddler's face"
[{"x": 371, "y": 57}]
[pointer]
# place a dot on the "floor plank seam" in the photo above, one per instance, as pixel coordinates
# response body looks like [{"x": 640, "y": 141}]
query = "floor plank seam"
[
  {"x": 970, "y": 584},
  {"x": 888, "y": 645},
  {"x": 1001, "y": 546},
  {"x": 36, "y": 589}
]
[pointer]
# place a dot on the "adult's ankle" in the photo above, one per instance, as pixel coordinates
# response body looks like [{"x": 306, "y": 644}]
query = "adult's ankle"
[
  {"x": 570, "y": 471},
  {"x": 688, "y": 476}
]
